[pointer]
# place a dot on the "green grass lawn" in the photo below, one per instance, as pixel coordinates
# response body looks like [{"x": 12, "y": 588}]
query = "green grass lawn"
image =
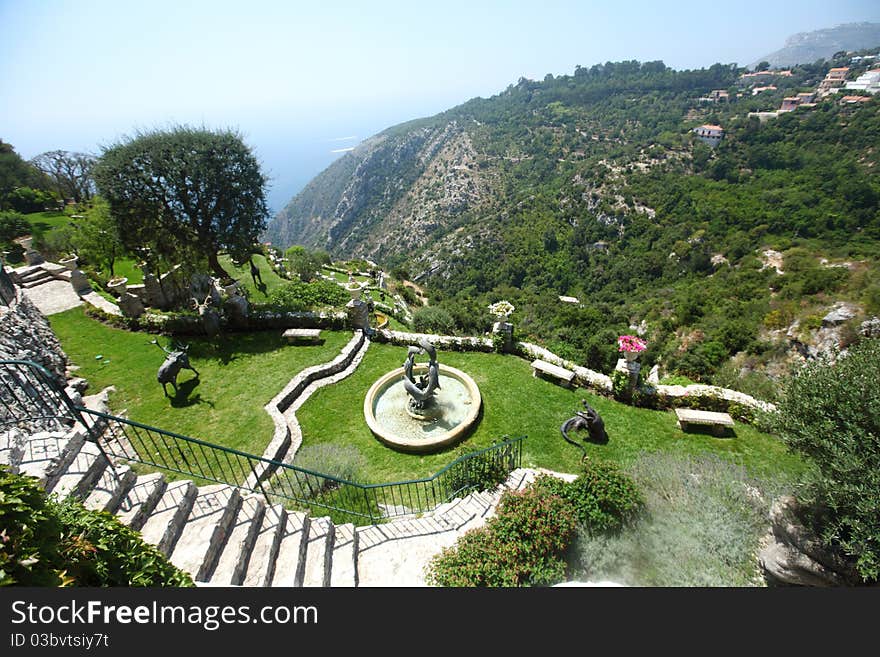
[
  {"x": 43, "y": 222},
  {"x": 240, "y": 373},
  {"x": 128, "y": 268},
  {"x": 514, "y": 404},
  {"x": 243, "y": 275}
]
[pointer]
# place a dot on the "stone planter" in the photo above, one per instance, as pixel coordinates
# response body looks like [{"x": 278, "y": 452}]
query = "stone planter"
[
  {"x": 117, "y": 285},
  {"x": 26, "y": 242},
  {"x": 355, "y": 291},
  {"x": 70, "y": 262},
  {"x": 630, "y": 356}
]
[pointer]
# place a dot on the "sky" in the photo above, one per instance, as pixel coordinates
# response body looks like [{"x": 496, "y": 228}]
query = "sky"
[{"x": 303, "y": 82}]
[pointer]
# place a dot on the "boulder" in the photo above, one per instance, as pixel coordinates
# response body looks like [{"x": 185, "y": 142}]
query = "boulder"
[
  {"x": 840, "y": 313},
  {"x": 794, "y": 555}
]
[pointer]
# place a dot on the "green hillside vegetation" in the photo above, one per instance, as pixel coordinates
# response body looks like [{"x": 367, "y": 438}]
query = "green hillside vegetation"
[{"x": 596, "y": 188}]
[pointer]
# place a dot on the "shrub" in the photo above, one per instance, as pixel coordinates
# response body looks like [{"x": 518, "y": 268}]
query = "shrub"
[
  {"x": 603, "y": 498},
  {"x": 521, "y": 545},
  {"x": 701, "y": 524},
  {"x": 831, "y": 414},
  {"x": 432, "y": 319},
  {"x": 297, "y": 296},
  {"x": 478, "y": 473},
  {"x": 44, "y": 542},
  {"x": 340, "y": 461}
]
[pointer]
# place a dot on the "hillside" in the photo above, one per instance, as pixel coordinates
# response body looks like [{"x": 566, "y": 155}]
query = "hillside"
[
  {"x": 807, "y": 47},
  {"x": 591, "y": 185}
]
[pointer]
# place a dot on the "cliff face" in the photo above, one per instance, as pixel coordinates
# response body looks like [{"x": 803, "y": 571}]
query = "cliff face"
[
  {"x": 807, "y": 47},
  {"x": 389, "y": 196}
]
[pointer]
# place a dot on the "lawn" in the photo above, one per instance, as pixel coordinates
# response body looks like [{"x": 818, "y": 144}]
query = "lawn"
[
  {"x": 240, "y": 373},
  {"x": 514, "y": 404},
  {"x": 242, "y": 274}
]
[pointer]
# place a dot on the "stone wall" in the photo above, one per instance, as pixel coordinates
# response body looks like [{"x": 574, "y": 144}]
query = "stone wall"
[{"x": 25, "y": 334}]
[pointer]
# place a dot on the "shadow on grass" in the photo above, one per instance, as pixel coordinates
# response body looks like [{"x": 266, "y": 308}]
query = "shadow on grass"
[
  {"x": 184, "y": 396},
  {"x": 226, "y": 348}
]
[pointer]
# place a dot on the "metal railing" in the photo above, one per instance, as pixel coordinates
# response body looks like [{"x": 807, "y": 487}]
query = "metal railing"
[
  {"x": 31, "y": 398},
  {"x": 127, "y": 441}
]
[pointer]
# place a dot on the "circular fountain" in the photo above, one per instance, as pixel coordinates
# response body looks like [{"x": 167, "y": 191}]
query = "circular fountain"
[{"x": 422, "y": 407}]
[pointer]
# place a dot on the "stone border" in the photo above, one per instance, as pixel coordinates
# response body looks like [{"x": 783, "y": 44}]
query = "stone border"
[
  {"x": 666, "y": 396},
  {"x": 287, "y": 436},
  {"x": 432, "y": 443}
]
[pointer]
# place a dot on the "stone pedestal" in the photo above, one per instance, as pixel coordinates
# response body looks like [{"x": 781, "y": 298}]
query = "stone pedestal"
[
  {"x": 131, "y": 305},
  {"x": 505, "y": 331},
  {"x": 358, "y": 315},
  {"x": 237, "y": 310},
  {"x": 33, "y": 257},
  {"x": 631, "y": 368},
  {"x": 79, "y": 282},
  {"x": 155, "y": 297}
]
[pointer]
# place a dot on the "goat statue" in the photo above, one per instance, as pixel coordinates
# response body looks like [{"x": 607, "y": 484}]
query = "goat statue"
[
  {"x": 210, "y": 317},
  {"x": 174, "y": 362}
]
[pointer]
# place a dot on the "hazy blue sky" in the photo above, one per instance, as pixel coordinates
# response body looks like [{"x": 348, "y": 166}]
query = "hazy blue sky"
[{"x": 295, "y": 78}]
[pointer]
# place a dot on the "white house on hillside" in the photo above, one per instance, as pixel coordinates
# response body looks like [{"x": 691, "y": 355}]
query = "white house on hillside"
[
  {"x": 868, "y": 81},
  {"x": 710, "y": 134}
]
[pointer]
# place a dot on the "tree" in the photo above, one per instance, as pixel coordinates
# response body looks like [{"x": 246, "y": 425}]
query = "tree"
[
  {"x": 762, "y": 66},
  {"x": 70, "y": 173},
  {"x": 831, "y": 414},
  {"x": 185, "y": 192},
  {"x": 96, "y": 238},
  {"x": 18, "y": 178},
  {"x": 303, "y": 262}
]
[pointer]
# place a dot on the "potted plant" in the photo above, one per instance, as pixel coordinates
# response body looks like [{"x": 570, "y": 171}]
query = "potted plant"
[
  {"x": 117, "y": 285},
  {"x": 631, "y": 346},
  {"x": 69, "y": 261}
]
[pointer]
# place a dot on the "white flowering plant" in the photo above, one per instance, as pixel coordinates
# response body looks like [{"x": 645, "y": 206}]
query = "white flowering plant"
[{"x": 502, "y": 309}]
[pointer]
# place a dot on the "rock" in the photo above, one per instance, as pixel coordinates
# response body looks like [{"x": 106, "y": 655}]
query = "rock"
[
  {"x": 793, "y": 554},
  {"x": 131, "y": 305},
  {"x": 654, "y": 375},
  {"x": 870, "y": 328},
  {"x": 840, "y": 313}
]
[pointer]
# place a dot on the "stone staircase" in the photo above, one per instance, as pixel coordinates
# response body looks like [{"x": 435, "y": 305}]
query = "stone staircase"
[
  {"x": 224, "y": 536},
  {"x": 38, "y": 274}
]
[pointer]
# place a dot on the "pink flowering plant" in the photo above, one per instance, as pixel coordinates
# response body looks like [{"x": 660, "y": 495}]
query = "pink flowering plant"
[{"x": 631, "y": 343}]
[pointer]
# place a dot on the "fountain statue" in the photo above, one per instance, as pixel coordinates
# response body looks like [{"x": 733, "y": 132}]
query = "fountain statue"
[
  {"x": 422, "y": 408},
  {"x": 421, "y": 393}
]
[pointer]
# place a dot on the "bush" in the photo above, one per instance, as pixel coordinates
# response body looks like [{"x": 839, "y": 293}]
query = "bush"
[
  {"x": 340, "y": 461},
  {"x": 432, "y": 319},
  {"x": 603, "y": 498},
  {"x": 44, "y": 542},
  {"x": 297, "y": 296},
  {"x": 831, "y": 414},
  {"x": 701, "y": 524},
  {"x": 521, "y": 545}
]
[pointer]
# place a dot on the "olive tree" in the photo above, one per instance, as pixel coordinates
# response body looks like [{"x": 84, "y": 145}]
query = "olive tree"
[
  {"x": 185, "y": 192},
  {"x": 831, "y": 414}
]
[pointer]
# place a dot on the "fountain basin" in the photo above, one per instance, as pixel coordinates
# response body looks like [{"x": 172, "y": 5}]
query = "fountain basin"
[{"x": 455, "y": 411}]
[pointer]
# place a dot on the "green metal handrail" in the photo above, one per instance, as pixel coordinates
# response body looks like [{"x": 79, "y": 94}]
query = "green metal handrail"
[{"x": 135, "y": 442}]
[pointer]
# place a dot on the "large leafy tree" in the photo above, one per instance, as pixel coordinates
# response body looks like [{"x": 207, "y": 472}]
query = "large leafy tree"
[
  {"x": 70, "y": 173},
  {"x": 185, "y": 192}
]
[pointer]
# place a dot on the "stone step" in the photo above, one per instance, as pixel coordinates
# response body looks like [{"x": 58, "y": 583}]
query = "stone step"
[
  {"x": 138, "y": 503},
  {"x": 344, "y": 558},
  {"x": 113, "y": 484},
  {"x": 162, "y": 527},
  {"x": 232, "y": 564},
  {"x": 290, "y": 564},
  {"x": 319, "y": 552},
  {"x": 261, "y": 563},
  {"x": 81, "y": 474},
  {"x": 206, "y": 530},
  {"x": 36, "y": 276},
  {"x": 48, "y": 453},
  {"x": 12, "y": 445}
]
